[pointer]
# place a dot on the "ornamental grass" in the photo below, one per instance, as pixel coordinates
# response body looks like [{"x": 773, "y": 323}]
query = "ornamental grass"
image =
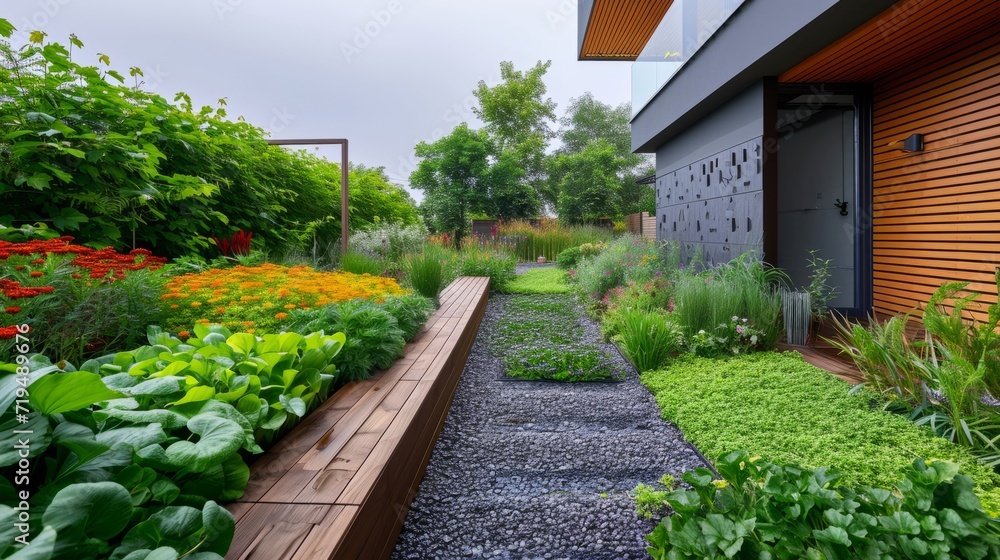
[{"x": 259, "y": 298}]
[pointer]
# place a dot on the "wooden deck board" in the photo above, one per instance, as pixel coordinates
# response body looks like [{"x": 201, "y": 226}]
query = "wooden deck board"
[{"x": 339, "y": 484}]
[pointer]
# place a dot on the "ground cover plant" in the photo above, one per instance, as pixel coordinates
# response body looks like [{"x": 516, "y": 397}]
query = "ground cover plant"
[
  {"x": 778, "y": 406},
  {"x": 759, "y": 509},
  {"x": 261, "y": 297},
  {"x": 540, "y": 281},
  {"x": 538, "y": 338},
  {"x": 138, "y": 447}
]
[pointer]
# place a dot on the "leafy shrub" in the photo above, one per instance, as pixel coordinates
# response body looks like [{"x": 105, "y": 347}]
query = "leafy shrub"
[
  {"x": 259, "y": 298},
  {"x": 655, "y": 295},
  {"x": 779, "y": 406},
  {"x": 648, "y": 338},
  {"x": 411, "y": 312},
  {"x": 425, "y": 273},
  {"x": 390, "y": 241},
  {"x": 540, "y": 281},
  {"x": 499, "y": 266},
  {"x": 764, "y": 510},
  {"x": 884, "y": 354},
  {"x": 627, "y": 259},
  {"x": 360, "y": 263},
  {"x": 374, "y": 338},
  {"x": 569, "y": 258},
  {"x": 127, "y": 167},
  {"x": 975, "y": 341},
  {"x": 940, "y": 382}
]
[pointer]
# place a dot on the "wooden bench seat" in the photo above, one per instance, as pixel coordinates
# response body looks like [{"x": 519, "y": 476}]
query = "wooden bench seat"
[{"x": 339, "y": 484}]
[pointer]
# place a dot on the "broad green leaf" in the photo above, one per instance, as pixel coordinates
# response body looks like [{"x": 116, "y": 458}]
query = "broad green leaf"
[
  {"x": 6, "y": 29},
  {"x": 9, "y": 382},
  {"x": 98, "y": 510},
  {"x": 900, "y": 522},
  {"x": 8, "y": 517},
  {"x": 219, "y": 528},
  {"x": 64, "y": 392},
  {"x": 165, "y": 491},
  {"x": 156, "y": 387},
  {"x": 294, "y": 405},
  {"x": 219, "y": 438},
  {"x": 135, "y": 437},
  {"x": 40, "y": 547},
  {"x": 169, "y": 419},
  {"x": 196, "y": 394},
  {"x": 178, "y": 527},
  {"x": 835, "y": 535},
  {"x": 162, "y": 553},
  {"x": 245, "y": 343},
  {"x": 226, "y": 481},
  {"x": 38, "y": 438}
]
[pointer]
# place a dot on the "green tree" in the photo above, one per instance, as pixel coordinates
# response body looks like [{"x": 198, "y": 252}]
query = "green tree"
[
  {"x": 588, "y": 182},
  {"x": 454, "y": 176},
  {"x": 518, "y": 119},
  {"x": 587, "y": 122}
]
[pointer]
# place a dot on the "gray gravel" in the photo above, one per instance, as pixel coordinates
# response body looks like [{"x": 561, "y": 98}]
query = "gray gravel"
[{"x": 540, "y": 469}]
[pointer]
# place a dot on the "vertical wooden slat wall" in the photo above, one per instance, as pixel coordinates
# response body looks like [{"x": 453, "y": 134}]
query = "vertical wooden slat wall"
[{"x": 936, "y": 213}]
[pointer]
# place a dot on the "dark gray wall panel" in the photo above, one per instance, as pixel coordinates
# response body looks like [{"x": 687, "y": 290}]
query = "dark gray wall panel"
[{"x": 714, "y": 206}]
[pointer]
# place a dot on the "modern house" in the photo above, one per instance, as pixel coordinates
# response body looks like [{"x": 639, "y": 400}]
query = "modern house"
[{"x": 867, "y": 130}]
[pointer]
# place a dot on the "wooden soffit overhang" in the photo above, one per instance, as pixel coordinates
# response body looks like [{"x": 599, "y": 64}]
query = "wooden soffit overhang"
[
  {"x": 905, "y": 34},
  {"x": 619, "y": 29}
]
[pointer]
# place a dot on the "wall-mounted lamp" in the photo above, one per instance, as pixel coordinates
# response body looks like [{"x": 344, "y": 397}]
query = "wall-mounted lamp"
[{"x": 915, "y": 143}]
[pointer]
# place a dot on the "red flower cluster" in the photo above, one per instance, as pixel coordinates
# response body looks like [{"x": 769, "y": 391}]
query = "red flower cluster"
[
  {"x": 239, "y": 244},
  {"x": 13, "y": 289},
  {"x": 101, "y": 262},
  {"x": 8, "y": 333}
]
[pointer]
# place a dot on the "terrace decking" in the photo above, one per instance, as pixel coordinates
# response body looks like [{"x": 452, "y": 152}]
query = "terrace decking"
[{"x": 339, "y": 484}]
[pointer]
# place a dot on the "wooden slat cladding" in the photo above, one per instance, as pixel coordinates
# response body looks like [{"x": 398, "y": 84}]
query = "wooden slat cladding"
[
  {"x": 620, "y": 30},
  {"x": 935, "y": 68},
  {"x": 937, "y": 212}
]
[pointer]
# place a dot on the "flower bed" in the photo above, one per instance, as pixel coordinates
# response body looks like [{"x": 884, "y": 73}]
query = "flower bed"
[
  {"x": 259, "y": 298},
  {"x": 74, "y": 298}
]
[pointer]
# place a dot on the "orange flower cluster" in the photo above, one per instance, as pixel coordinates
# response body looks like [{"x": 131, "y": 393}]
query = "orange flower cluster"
[{"x": 259, "y": 297}]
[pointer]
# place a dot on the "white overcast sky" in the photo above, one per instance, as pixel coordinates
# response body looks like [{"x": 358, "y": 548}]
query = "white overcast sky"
[{"x": 333, "y": 68}]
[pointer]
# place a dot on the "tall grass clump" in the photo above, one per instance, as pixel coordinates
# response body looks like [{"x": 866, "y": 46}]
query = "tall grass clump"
[
  {"x": 648, "y": 338},
  {"x": 426, "y": 272},
  {"x": 498, "y": 265},
  {"x": 361, "y": 263},
  {"x": 549, "y": 239},
  {"x": 743, "y": 288}
]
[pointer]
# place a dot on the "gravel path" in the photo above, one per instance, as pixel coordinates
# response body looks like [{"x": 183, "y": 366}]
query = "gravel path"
[{"x": 540, "y": 469}]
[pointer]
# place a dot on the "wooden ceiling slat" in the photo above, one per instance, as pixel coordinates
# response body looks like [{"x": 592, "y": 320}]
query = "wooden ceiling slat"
[{"x": 620, "y": 30}]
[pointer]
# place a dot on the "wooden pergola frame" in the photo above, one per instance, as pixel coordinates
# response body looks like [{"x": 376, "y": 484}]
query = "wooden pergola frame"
[{"x": 342, "y": 142}]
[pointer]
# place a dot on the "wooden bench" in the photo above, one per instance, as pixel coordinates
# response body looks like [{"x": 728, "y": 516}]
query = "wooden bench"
[{"x": 339, "y": 484}]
